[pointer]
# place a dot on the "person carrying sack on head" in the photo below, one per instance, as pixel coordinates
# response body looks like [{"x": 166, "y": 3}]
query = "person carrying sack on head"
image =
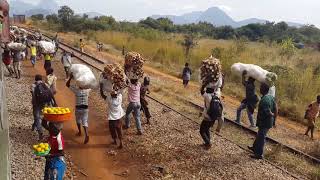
[{"x": 250, "y": 101}]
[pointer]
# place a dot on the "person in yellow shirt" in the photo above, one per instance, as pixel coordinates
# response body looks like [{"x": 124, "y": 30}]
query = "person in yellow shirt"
[
  {"x": 47, "y": 61},
  {"x": 81, "y": 46},
  {"x": 33, "y": 56}
]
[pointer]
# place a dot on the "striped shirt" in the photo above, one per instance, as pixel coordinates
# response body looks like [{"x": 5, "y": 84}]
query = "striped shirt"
[{"x": 82, "y": 95}]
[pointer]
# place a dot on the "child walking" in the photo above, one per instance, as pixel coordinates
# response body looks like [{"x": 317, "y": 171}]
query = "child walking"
[
  {"x": 55, "y": 163},
  {"x": 134, "y": 105}
]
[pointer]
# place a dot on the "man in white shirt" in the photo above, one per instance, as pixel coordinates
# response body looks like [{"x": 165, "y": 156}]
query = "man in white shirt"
[{"x": 116, "y": 113}]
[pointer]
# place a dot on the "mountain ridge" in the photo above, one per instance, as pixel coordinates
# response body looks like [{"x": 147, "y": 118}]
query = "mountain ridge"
[{"x": 215, "y": 16}]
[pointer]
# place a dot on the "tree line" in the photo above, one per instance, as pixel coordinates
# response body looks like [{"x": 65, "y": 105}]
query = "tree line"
[{"x": 150, "y": 28}]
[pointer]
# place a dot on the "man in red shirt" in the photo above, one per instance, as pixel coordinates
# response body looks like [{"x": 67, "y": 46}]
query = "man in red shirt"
[{"x": 55, "y": 163}]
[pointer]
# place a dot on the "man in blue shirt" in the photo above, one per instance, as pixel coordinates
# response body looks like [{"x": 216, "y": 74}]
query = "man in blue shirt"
[{"x": 267, "y": 112}]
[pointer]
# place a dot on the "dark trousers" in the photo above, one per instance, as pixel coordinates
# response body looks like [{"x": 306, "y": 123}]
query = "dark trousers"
[
  {"x": 115, "y": 129},
  {"x": 258, "y": 144},
  {"x": 145, "y": 108},
  {"x": 205, "y": 130},
  {"x": 47, "y": 65}
]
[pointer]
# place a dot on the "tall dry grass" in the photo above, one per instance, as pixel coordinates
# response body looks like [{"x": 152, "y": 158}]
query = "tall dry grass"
[{"x": 299, "y": 80}]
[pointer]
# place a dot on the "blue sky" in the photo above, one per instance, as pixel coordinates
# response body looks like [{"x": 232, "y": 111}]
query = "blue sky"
[{"x": 301, "y": 11}]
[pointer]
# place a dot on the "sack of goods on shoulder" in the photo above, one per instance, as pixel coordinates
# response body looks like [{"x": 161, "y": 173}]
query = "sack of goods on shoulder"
[
  {"x": 255, "y": 72},
  {"x": 133, "y": 65},
  {"x": 83, "y": 76},
  {"x": 215, "y": 109},
  {"x": 116, "y": 76},
  {"x": 17, "y": 46},
  {"x": 47, "y": 47},
  {"x": 210, "y": 70},
  {"x": 43, "y": 94}
]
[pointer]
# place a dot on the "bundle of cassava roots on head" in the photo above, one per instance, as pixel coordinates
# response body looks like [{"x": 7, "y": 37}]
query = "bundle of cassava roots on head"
[
  {"x": 255, "y": 72},
  {"x": 133, "y": 65},
  {"x": 210, "y": 70},
  {"x": 115, "y": 74}
]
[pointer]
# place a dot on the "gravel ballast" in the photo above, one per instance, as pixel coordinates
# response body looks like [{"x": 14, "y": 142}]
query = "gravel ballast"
[{"x": 24, "y": 165}]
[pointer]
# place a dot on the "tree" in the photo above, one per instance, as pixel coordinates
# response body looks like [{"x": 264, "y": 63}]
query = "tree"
[
  {"x": 165, "y": 24},
  {"x": 188, "y": 43},
  {"x": 287, "y": 48},
  {"x": 224, "y": 32},
  {"x": 150, "y": 23},
  {"x": 65, "y": 14},
  {"x": 37, "y": 17},
  {"x": 53, "y": 18}
]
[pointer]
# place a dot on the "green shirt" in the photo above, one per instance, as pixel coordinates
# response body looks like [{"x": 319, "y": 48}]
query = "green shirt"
[{"x": 264, "y": 119}]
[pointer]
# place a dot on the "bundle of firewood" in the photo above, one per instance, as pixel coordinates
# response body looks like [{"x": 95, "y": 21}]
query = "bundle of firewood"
[
  {"x": 133, "y": 65},
  {"x": 115, "y": 74},
  {"x": 210, "y": 70}
]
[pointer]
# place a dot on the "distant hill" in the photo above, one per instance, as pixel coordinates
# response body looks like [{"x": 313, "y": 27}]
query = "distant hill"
[
  {"x": 43, "y": 7},
  {"x": 215, "y": 16}
]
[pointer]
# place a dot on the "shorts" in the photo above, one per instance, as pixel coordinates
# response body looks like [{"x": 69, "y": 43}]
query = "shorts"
[
  {"x": 185, "y": 82},
  {"x": 82, "y": 116},
  {"x": 17, "y": 65},
  {"x": 47, "y": 64}
]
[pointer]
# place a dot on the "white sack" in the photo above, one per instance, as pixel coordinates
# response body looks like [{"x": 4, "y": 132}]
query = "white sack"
[
  {"x": 17, "y": 46},
  {"x": 83, "y": 76},
  {"x": 254, "y": 71},
  {"x": 23, "y": 31},
  {"x": 47, "y": 47}
]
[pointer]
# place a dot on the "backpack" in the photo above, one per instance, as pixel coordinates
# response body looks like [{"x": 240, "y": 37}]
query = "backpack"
[
  {"x": 43, "y": 94},
  {"x": 215, "y": 109}
]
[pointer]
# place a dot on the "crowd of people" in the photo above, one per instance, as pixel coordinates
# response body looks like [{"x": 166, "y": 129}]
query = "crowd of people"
[{"x": 43, "y": 92}]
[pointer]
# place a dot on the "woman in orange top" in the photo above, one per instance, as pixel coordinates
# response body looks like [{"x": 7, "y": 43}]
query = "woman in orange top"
[{"x": 311, "y": 114}]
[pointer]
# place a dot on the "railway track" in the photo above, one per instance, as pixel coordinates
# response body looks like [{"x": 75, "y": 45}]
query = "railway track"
[{"x": 99, "y": 65}]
